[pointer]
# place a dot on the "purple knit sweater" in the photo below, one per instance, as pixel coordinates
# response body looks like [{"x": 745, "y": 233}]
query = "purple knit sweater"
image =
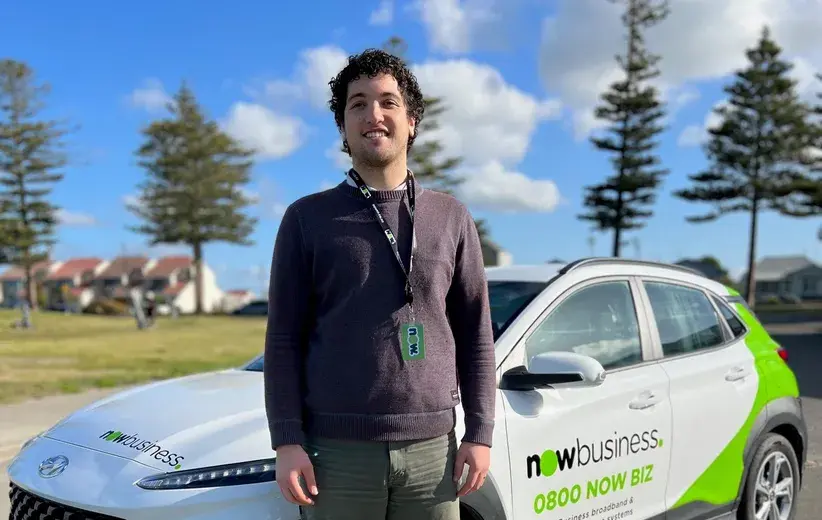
[{"x": 333, "y": 365}]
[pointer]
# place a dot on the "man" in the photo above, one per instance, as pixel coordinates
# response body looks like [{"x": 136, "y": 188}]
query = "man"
[{"x": 367, "y": 344}]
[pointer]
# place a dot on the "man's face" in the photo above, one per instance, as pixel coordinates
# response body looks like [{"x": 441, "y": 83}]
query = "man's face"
[{"x": 377, "y": 125}]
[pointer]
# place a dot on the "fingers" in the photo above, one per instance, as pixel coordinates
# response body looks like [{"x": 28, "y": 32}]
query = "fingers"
[
  {"x": 293, "y": 491},
  {"x": 310, "y": 480},
  {"x": 474, "y": 481},
  {"x": 459, "y": 465}
]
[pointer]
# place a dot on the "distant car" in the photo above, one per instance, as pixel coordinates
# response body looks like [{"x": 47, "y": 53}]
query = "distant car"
[
  {"x": 254, "y": 308},
  {"x": 627, "y": 389}
]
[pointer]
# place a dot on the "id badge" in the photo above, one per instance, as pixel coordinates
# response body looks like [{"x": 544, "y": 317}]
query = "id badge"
[{"x": 412, "y": 341}]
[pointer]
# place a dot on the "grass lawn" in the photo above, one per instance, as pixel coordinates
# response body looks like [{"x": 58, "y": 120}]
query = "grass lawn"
[{"x": 70, "y": 353}]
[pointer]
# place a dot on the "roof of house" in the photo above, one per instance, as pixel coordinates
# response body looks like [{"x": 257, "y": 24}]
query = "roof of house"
[
  {"x": 18, "y": 273},
  {"x": 239, "y": 292},
  {"x": 774, "y": 268},
  {"x": 167, "y": 265},
  {"x": 123, "y": 265},
  {"x": 73, "y": 267}
]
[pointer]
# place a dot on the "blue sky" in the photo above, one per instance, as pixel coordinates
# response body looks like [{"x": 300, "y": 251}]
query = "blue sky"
[{"x": 521, "y": 77}]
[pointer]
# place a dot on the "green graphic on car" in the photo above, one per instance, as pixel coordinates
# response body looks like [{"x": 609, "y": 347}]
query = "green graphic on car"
[{"x": 144, "y": 446}]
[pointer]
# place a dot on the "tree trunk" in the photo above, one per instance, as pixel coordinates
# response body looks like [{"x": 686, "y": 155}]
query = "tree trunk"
[
  {"x": 198, "y": 278},
  {"x": 750, "y": 289},
  {"x": 30, "y": 286}
]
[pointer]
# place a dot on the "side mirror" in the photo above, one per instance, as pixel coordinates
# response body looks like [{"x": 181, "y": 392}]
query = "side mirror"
[{"x": 553, "y": 368}]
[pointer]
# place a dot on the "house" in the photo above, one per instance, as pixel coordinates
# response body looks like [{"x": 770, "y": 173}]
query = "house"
[
  {"x": 13, "y": 287},
  {"x": 71, "y": 285},
  {"x": 793, "y": 277},
  {"x": 172, "y": 281},
  {"x": 120, "y": 275},
  {"x": 236, "y": 298}
]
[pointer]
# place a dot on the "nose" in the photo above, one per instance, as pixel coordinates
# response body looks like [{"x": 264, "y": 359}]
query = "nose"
[{"x": 373, "y": 114}]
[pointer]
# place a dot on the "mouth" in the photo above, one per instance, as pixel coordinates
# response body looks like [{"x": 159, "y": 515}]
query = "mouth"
[{"x": 375, "y": 134}]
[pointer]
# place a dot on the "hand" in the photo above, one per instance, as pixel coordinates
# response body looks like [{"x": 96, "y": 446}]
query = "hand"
[
  {"x": 478, "y": 458},
  {"x": 292, "y": 463}
]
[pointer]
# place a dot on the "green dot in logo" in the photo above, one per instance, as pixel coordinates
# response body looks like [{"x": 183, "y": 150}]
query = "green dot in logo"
[
  {"x": 178, "y": 466},
  {"x": 548, "y": 463},
  {"x": 659, "y": 445}
]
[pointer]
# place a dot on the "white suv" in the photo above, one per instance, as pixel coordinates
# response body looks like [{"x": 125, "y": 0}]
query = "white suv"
[{"x": 627, "y": 389}]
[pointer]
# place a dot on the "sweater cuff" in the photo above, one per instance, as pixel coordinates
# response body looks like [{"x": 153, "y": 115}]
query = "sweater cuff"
[
  {"x": 287, "y": 432},
  {"x": 478, "y": 431}
]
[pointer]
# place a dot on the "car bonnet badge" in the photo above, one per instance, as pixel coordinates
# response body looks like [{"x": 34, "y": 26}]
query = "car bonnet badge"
[{"x": 53, "y": 466}]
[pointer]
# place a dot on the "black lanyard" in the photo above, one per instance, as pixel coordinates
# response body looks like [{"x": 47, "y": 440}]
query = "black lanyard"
[{"x": 392, "y": 240}]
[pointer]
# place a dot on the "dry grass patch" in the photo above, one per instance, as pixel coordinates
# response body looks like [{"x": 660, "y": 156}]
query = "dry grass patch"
[{"x": 70, "y": 353}]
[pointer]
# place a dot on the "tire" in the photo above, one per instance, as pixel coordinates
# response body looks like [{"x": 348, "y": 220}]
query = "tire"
[{"x": 774, "y": 450}]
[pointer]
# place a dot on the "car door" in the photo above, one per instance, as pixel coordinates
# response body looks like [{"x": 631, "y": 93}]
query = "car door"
[
  {"x": 713, "y": 387},
  {"x": 597, "y": 451}
]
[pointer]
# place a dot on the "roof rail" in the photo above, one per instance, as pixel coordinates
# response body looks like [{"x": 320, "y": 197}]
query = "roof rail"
[{"x": 584, "y": 262}]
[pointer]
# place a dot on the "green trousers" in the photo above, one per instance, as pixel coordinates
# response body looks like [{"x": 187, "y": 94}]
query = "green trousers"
[{"x": 409, "y": 480}]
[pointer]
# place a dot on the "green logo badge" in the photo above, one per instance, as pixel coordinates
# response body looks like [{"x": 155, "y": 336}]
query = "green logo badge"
[{"x": 413, "y": 342}]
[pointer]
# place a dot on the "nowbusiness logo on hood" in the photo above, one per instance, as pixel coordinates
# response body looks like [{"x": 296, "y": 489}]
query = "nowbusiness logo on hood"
[{"x": 152, "y": 448}]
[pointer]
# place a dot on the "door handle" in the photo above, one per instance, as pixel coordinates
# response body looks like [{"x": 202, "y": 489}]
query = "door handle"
[
  {"x": 736, "y": 373},
  {"x": 644, "y": 401}
]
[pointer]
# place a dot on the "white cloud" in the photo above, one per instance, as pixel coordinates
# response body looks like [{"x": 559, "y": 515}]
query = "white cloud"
[
  {"x": 73, "y": 218},
  {"x": 696, "y": 135},
  {"x": 700, "y": 40},
  {"x": 454, "y": 25},
  {"x": 383, "y": 14},
  {"x": 272, "y": 135},
  {"x": 309, "y": 81},
  {"x": 340, "y": 159},
  {"x": 487, "y": 118},
  {"x": 494, "y": 188},
  {"x": 489, "y": 123},
  {"x": 151, "y": 97}
]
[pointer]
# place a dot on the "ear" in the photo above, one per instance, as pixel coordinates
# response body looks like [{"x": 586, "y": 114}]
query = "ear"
[{"x": 412, "y": 125}]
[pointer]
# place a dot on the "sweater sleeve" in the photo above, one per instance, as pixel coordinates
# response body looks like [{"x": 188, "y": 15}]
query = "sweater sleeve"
[
  {"x": 470, "y": 315},
  {"x": 288, "y": 320}
]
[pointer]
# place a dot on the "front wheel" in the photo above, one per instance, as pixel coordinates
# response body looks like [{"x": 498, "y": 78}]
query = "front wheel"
[{"x": 773, "y": 481}]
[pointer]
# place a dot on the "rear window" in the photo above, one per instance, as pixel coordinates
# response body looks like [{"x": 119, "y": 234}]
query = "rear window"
[{"x": 736, "y": 325}]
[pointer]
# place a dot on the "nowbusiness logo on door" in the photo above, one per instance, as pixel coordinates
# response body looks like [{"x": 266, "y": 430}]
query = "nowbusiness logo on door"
[{"x": 582, "y": 454}]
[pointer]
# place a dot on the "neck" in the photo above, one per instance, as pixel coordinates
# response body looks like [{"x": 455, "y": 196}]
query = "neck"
[{"x": 386, "y": 178}]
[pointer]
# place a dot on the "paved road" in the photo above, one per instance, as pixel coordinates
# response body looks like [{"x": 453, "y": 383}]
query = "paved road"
[{"x": 803, "y": 341}]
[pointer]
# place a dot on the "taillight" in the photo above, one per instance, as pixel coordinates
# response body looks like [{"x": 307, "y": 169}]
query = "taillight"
[{"x": 782, "y": 353}]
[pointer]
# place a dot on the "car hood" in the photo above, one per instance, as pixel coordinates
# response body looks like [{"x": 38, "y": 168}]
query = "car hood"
[{"x": 184, "y": 423}]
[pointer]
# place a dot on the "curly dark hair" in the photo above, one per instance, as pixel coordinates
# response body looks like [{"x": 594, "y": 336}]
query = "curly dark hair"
[{"x": 371, "y": 63}]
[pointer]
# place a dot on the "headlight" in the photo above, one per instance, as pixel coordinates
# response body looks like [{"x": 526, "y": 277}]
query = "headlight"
[{"x": 252, "y": 472}]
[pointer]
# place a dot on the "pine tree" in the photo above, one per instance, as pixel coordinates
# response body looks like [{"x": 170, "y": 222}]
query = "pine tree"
[
  {"x": 193, "y": 193},
  {"x": 31, "y": 157},
  {"x": 633, "y": 111},
  {"x": 759, "y": 147},
  {"x": 803, "y": 195}
]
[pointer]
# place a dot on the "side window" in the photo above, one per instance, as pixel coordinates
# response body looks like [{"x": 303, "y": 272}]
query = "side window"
[
  {"x": 733, "y": 322},
  {"x": 685, "y": 318},
  {"x": 599, "y": 321}
]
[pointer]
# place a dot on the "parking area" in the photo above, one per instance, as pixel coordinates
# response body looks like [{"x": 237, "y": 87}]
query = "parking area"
[{"x": 802, "y": 340}]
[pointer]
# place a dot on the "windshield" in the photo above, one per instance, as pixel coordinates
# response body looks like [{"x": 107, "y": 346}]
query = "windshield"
[{"x": 507, "y": 298}]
